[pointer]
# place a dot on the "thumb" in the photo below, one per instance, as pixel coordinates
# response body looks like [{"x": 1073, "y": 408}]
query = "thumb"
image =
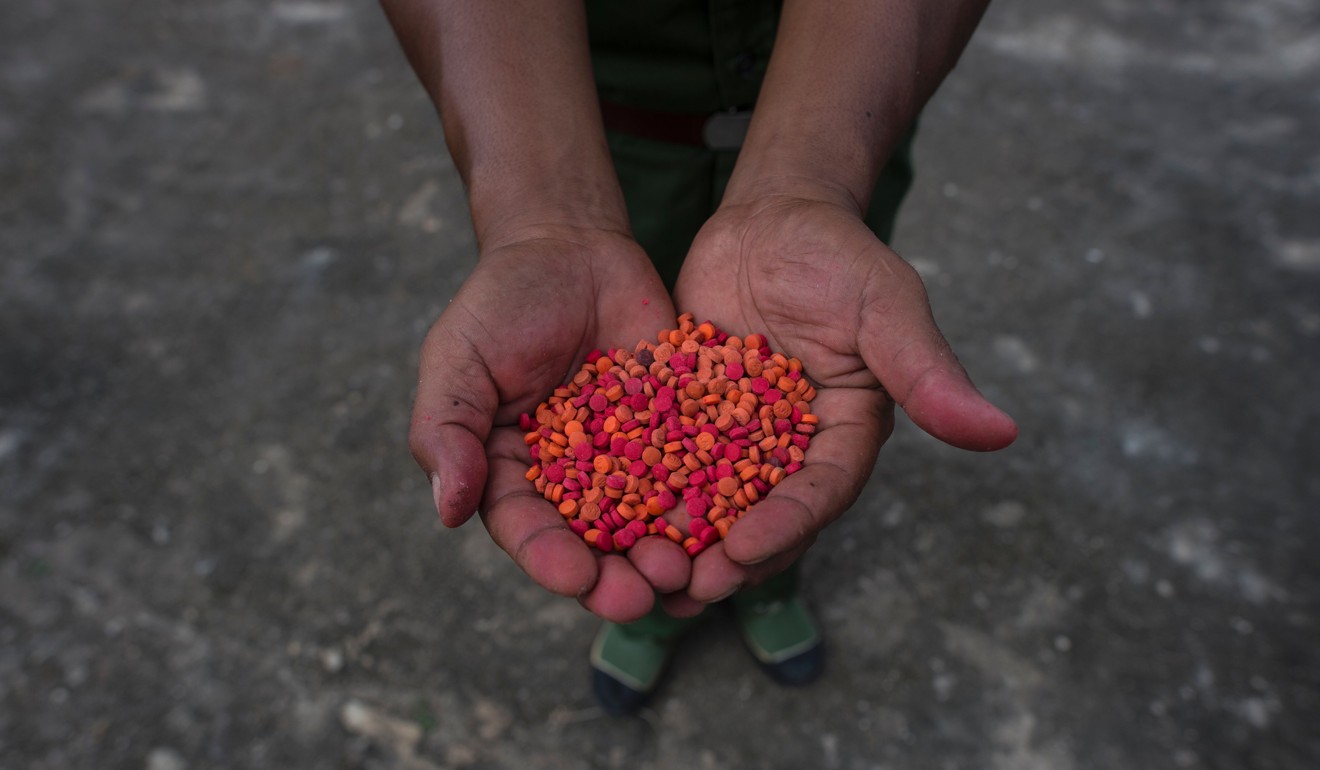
[
  {"x": 904, "y": 349},
  {"x": 452, "y": 417}
]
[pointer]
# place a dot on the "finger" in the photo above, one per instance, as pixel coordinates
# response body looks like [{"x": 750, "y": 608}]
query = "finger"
[
  {"x": 621, "y": 594},
  {"x": 452, "y": 414},
  {"x": 904, "y": 349},
  {"x": 855, "y": 423},
  {"x": 662, "y": 562},
  {"x": 680, "y": 605},
  {"x": 530, "y": 529},
  {"x": 716, "y": 577}
]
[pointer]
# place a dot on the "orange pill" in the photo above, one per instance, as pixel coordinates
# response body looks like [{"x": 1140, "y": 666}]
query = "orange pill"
[
  {"x": 533, "y": 473},
  {"x": 727, "y": 486},
  {"x": 749, "y": 491},
  {"x": 603, "y": 464},
  {"x": 705, "y": 440},
  {"x": 672, "y": 533},
  {"x": 651, "y": 455},
  {"x": 568, "y": 507}
]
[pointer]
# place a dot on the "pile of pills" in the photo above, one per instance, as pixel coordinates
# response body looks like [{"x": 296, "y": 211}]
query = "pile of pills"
[{"x": 713, "y": 419}]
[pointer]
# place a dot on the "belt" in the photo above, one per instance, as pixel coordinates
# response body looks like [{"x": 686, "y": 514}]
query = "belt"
[{"x": 714, "y": 131}]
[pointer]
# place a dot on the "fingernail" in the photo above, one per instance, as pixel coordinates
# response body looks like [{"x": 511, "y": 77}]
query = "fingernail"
[{"x": 437, "y": 491}]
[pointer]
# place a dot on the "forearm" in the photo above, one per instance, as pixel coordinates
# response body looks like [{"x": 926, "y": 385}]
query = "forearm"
[
  {"x": 512, "y": 82},
  {"x": 846, "y": 80}
]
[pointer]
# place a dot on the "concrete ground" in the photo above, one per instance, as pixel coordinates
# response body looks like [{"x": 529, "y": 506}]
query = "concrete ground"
[{"x": 224, "y": 228}]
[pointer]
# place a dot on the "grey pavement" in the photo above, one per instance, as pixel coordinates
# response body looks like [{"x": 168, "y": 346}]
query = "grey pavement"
[{"x": 225, "y": 227}]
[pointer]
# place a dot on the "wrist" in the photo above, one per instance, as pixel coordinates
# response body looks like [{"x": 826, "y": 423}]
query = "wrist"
[{"x": 756, "y": 188}]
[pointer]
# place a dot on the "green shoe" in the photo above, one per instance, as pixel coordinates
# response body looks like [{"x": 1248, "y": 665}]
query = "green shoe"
[
  {"x": 783, "y": 637},
  {"x": 628, "y": 661}
]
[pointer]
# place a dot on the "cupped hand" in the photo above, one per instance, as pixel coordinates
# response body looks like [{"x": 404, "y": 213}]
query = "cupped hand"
[
  {"x": 810, "y": 275},
  {"x": 533, "y": 307}
]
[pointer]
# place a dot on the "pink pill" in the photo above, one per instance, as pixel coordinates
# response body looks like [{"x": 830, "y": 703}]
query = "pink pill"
[
  {"x": 637, "y": 527},
  {"x": 723, "y": 471},
  {"x": 782, "y": 426},
  {"x": 617, "y": 445},
  {"x": 659, "y": 472},
  {"x": 637, "y": 468},
  {"x": 614, "y": 481},
  {"x": 633, "y": 387},
  {"x": 554, "y": 473},
  {"x": 697, "y": 507},
  {"x": 524, "y": 422},
  {"x": 772, "y": 395},
  {"x": 598, "y": 402},
  {"x": 633, "y": 449},
  {"x": 579, "y": 527},
  {"x": 696, "y": 478},
  {"x": 693, "y": 549},
  {"x": 605, "y": 542},
  {"x": 760, "y": 385},
  {"x": 600, "y": 440},
  {"x": 709, "y": 536},
  {"x": 792, "y": 467},
  {"x": 639, "y": 401},
  {"x": 583, "y": 451},
  {"x": 625, "y": 539},
  {"x": 666, "y": 499},
  {"x": 697, "y": 526},
  {"x": 732, "y": 452},
  {"x": 734, "y": 371}
]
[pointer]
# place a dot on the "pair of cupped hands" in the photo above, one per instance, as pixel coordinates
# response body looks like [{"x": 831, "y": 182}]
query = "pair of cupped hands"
[{"x": 807, "y": 273}]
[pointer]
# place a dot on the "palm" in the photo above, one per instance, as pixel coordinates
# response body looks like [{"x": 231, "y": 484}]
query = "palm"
[
  {"x": 525, "y": 317},
  {"x": 821, "y": 287}
]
